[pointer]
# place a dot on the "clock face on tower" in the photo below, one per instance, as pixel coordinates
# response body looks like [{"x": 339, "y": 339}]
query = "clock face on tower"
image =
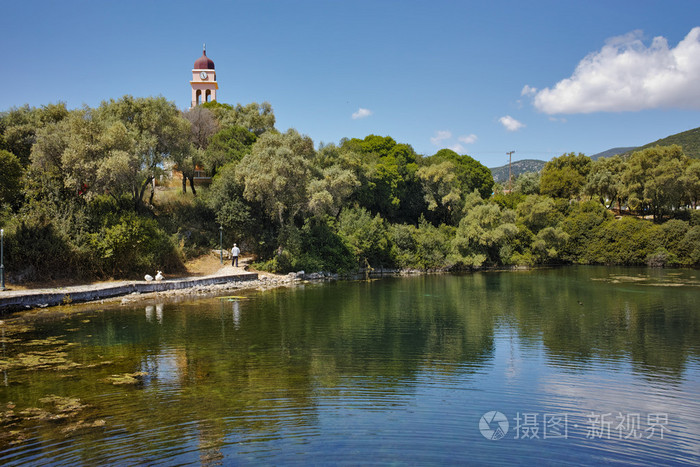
[{"x": 203, "y": 75}]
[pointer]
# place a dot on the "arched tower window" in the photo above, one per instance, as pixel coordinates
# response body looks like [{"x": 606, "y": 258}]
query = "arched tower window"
[
  {"x": 208, "y": 96},
  {"x": 199, "y": 96}
]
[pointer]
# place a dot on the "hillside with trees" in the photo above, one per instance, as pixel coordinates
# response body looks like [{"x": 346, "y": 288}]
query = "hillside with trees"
[
  {"x": 612, "y": 152},
  {"x": 517, "y": 168},
  {"x": 90, "y": 194},
  {"x": 688, "y": 140}
]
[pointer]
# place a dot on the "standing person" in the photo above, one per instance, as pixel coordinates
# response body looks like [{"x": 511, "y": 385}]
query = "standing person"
[{"x": 235, "y": 251}]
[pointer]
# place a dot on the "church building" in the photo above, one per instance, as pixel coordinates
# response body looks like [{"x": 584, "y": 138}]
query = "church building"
[{"x": 203, "y": 82}]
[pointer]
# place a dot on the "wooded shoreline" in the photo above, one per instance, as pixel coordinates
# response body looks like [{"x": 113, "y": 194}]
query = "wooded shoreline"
[{"x": 94, "y": 194}]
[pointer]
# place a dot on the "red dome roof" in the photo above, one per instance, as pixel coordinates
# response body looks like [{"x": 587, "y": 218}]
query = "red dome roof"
[{"x": 204, "y": 62}]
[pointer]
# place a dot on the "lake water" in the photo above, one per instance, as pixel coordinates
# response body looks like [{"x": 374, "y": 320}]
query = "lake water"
[{"x": 579, "y": 365}]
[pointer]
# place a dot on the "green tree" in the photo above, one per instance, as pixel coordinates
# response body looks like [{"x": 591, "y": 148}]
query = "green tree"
[
  {"x": 10, "y": 182},
  {"x": 203, "y": 125},
  {"x": 157, "y": 131},
  {"x": 565, "y": 176},
  {"x": 366, "y": 236},
  {"x": 254, "y": 117},
  {"x": 379, "y": 146},
  {"x": 328, "y": 194},
  {"x": 242, "y": 220},
  {"x": 582, "y": 224},
  {"x": 387, "y": 174},
  {"x": 484, "y": 235},
  {"x": 422, "y": 247},
  {"x": 442, "y": 191},
  {"x": 79, "y": 156},
  {"x": 538, "y": 212},
  {"x": 229, "y": 144},
  {"x": 528, "y": 183},
  {"x": 322, "y": 249},
  {"x": 116, "y": 149},
  {"x": 691, "y": 183},
  {"x": 18, "y": 127},
  {"x": 605, "y": 180},
  {"x": 672, "y": 234},
  {"x": 471, "y": 174},
  {"x": 549, "y": 244},
  {"x": 276, "y": 174},
  {"x": 653, "y": 179}
]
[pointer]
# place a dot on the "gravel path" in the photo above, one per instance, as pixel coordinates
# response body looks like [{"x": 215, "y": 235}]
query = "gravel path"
[{"x": 227, "y": 276}]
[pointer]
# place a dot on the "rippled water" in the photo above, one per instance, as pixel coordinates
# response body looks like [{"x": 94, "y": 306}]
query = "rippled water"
[{"x": 583, "y": 364}]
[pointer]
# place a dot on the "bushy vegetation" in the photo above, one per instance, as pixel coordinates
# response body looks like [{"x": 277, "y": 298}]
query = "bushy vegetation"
[{"x": 78, "y": 198}]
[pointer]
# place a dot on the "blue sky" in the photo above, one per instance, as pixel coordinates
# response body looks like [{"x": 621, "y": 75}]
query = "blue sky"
[{"x": 540, "y": 78}]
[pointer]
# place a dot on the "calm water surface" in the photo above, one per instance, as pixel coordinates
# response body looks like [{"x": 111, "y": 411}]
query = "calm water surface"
[{"x": 580, "y": 365}]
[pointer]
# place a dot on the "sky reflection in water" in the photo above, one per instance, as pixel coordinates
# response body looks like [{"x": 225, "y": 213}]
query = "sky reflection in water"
[{"x": 401, "y": 369}]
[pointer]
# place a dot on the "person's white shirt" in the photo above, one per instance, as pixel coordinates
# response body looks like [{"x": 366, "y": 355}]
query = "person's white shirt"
[{"x": 235, "y": 251}]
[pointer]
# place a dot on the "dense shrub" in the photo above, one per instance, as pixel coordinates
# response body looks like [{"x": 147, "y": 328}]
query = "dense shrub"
[
  {"x": 689, "y": 247},
  {"x": 549, "y": 244},
  {"x": 582, "y": 225},
  {"x": 133, "y": 246},
  {"x": 11, "y": 170},
  {"x": 661, "y": 258},
  {"x": 422, "y": 247},
  {"x": 695, "y": 217},
  {"x": 625, "y": 241},
  {"x": 672, "y": 234},
  {"x": 323, "y": 249},
  {"x": 483, "y": 236},
  {"x": 403, "y": 245},
  {"x": 315, "y": 247},
  {"x": 509, "y": 200},
  {"x": 366, "y": 236},
  {"x": 193, "y": 222},
  {"x": 39, "y": 252},
  {"x": 537, "y": 212}
]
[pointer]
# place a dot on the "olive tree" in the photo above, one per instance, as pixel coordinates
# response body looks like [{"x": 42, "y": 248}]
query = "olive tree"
[{"x": 276, "y": 174}]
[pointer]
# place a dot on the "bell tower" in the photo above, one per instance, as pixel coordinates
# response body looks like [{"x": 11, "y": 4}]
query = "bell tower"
[{"x": 203, "y": 82}]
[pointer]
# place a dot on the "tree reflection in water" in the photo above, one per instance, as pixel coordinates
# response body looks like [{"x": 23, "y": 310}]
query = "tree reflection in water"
[{"x": 268, "y": 368}]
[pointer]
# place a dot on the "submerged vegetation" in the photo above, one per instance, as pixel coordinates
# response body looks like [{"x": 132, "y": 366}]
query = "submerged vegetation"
[{"x": 91, "y": 193}]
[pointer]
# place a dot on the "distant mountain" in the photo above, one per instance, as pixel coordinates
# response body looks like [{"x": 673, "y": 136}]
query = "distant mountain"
[
  {"x": 688, "y": 140},
  {"x": 612, "y": 152},
  {"x": 500, "y": 174}
]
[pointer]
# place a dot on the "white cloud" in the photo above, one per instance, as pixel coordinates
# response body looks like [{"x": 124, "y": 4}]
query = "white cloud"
[
  {"x": 468, "y": 139},
  {"x": 440, "y": 136},
  {"x": 626, "y": 75},
  {"x": 361, "y": 113},
  {"x": 510, "y": 123},
  {"x": 528, "y": 91},
  {"x": 458, "y": 148}
]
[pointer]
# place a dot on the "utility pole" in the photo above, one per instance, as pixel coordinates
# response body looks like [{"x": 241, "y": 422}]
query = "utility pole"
[{"x": 510, "y": 177}]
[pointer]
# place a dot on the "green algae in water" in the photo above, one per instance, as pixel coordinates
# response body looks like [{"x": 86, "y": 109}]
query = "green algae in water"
[
  {"x": 671, "y": 280},
  {"x": 65, "y": 415},
  {"x": 63, "y": 407},
  {"x": 126, "y": 378}
]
